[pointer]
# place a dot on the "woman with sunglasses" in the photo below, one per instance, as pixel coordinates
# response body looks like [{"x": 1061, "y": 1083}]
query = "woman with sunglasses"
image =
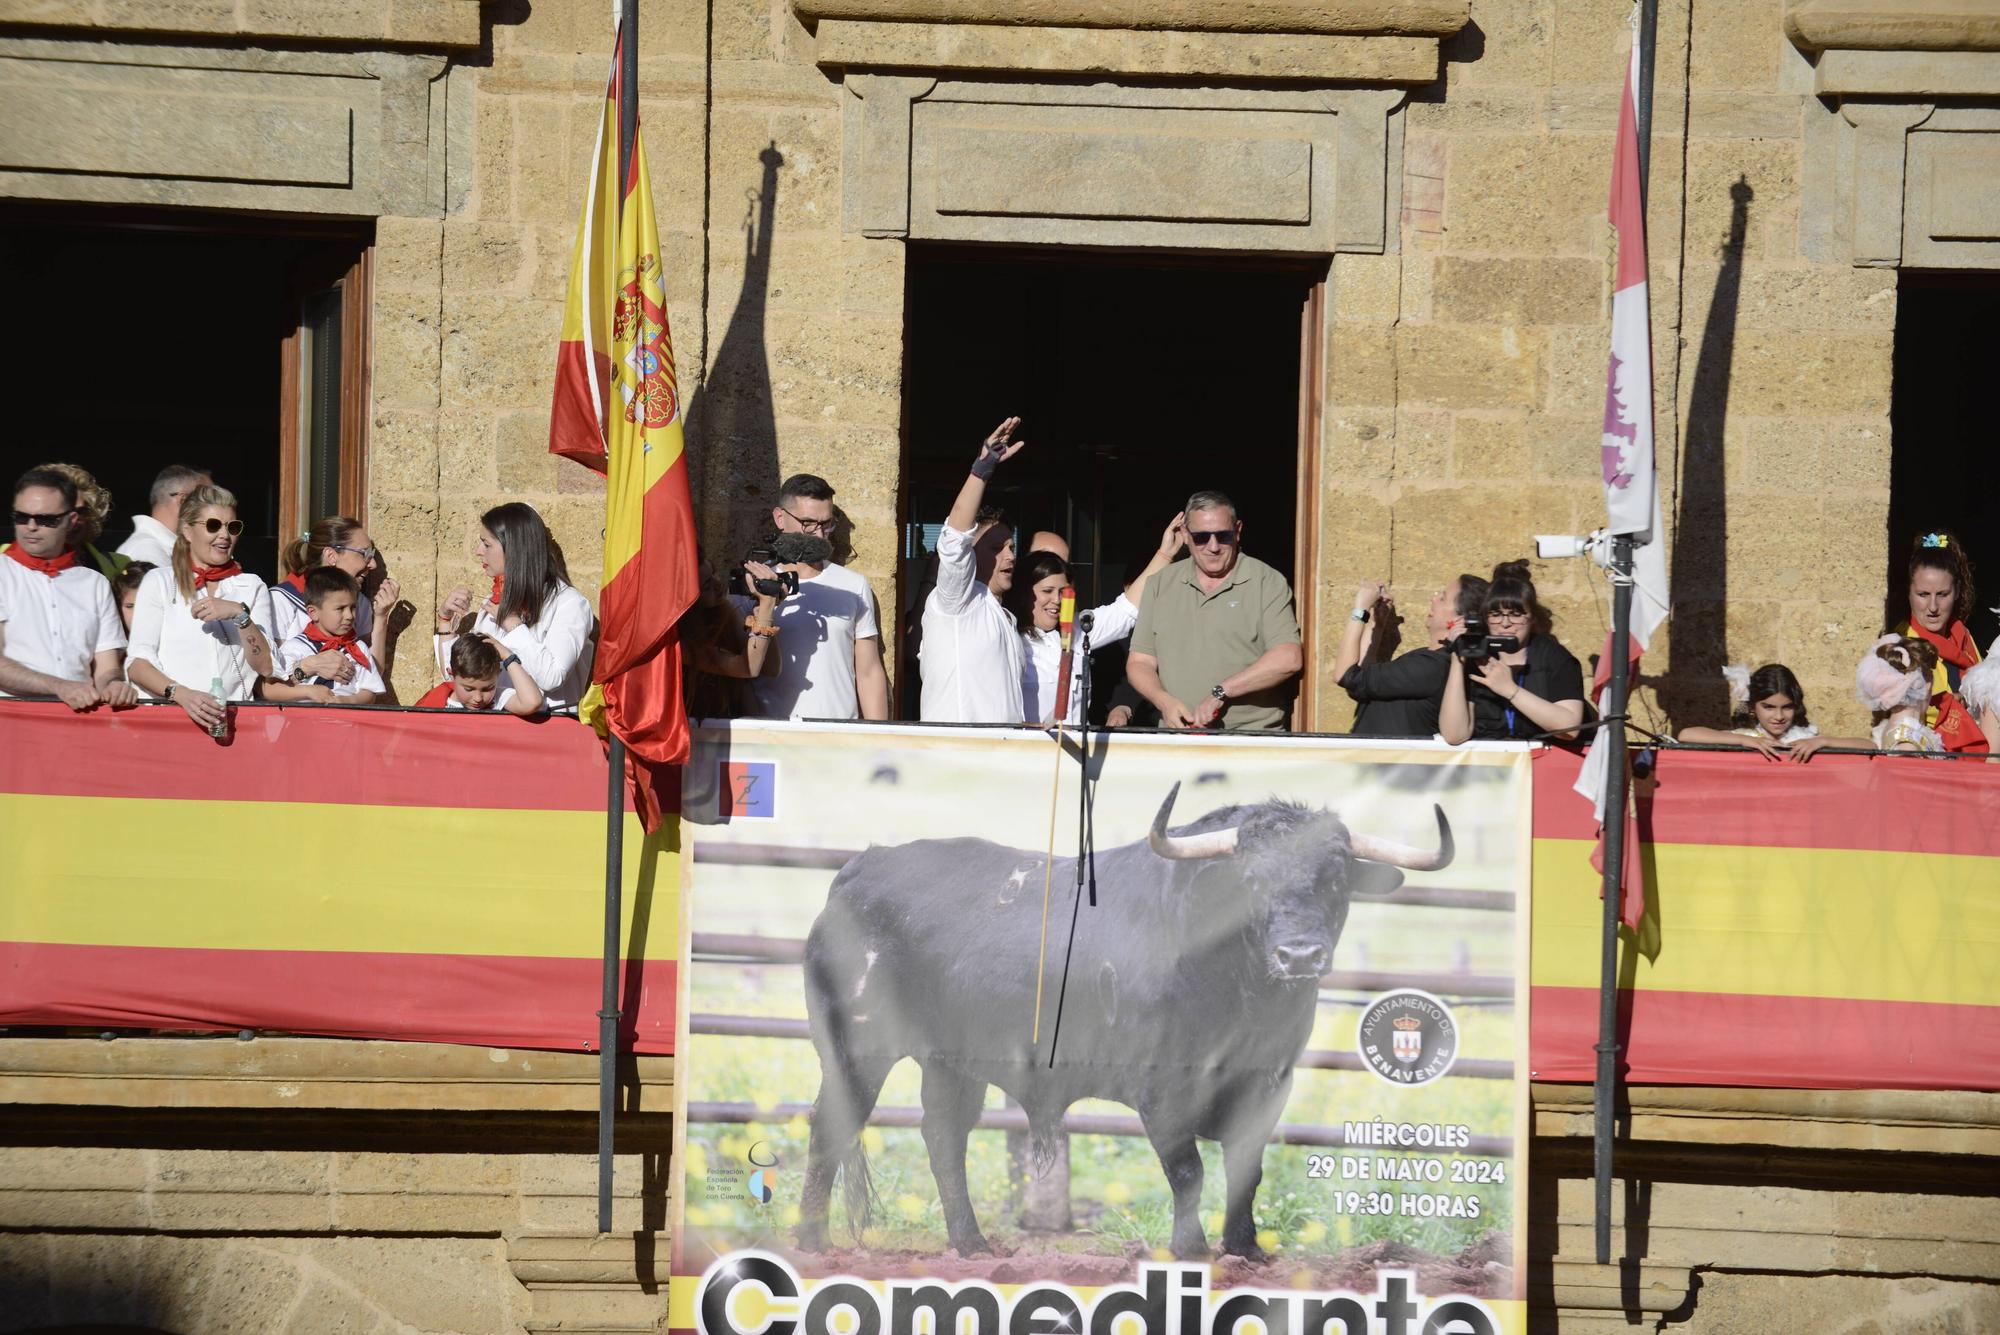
[
  {"x": 202, "y": 619},
  {"x": 343, "y": 543},
  {"x": 1533, "y": 690},
  {"x": 533, "y": 610}
]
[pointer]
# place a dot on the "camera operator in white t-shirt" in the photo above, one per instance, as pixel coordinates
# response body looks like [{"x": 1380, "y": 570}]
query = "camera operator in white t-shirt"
[{"x": 828, "y": 662}]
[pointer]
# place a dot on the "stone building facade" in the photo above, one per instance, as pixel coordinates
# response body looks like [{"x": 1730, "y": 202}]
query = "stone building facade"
[{"x": 1437, "y": 171}]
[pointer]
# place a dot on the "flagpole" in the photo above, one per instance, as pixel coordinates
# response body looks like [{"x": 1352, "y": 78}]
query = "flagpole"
[
  {"x": 1605, "y": 1091},
  {"x": 614, "y": 802}
]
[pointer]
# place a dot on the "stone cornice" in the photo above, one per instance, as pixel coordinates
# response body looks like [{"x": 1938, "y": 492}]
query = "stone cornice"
[
  {"x": 1895, "y": 25},
  {"x": 1413, "y": 18},
  {"x": 430, "y": 24}
]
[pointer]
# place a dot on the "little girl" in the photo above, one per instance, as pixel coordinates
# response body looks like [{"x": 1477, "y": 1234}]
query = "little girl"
[
  {"x": 1770, "y": 715},
  {"x": 1895, "y": 680}
]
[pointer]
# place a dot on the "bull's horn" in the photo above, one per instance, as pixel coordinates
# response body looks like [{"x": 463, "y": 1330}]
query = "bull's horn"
[
  {"x": 1182, "y": 847},
  {"x": 1407, "y": 855}
]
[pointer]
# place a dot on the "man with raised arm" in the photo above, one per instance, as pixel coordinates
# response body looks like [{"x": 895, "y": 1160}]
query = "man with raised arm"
[{"x": 971, "y": 656}]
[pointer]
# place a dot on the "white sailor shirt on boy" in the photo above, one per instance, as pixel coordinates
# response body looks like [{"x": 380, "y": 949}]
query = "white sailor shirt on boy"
[
  {"x": 289, "y": 615},
  {"x": 366, "y": 677},
  {"x": 556, "y": 650},
  {"x": 58, "y": 624},
  {"x": 1041, "y": 660},
  {"x": 194, "y": 653}
]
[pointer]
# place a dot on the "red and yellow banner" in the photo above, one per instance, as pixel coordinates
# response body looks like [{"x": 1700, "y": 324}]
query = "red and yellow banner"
[
  {"x": 618, "y": 410},
  {"x": 1831, "y": 925},
  {"x": 350, "y": 872}
]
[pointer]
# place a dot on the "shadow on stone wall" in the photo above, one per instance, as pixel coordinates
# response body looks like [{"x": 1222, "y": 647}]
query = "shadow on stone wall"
[
  {"x": 1693, "y": 691},
  {"x": 732, "y": 428}
]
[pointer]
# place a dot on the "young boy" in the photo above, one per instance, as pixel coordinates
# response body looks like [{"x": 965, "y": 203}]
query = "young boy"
[
  {"x": 331, "y": 598},
  {"x": 477, "y": 664}
]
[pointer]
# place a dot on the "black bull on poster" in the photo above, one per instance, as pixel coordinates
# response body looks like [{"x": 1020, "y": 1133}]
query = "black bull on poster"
[{"x": 1263, "y": 1042}]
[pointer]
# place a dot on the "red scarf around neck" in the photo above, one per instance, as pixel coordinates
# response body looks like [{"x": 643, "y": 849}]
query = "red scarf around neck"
[
  {"x": 50, "y": 565},
  {"x": 498, "y": 581},
  {"x": 1947, "y": 713},
  {"x": 207, "y": 575},
  {"x": 349, "y": 644}
]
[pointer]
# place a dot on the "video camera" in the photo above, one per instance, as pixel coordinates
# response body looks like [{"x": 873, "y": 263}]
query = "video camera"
[
  {"x": 783, "y": 549},
  {"x": 1475, "y": 646}
]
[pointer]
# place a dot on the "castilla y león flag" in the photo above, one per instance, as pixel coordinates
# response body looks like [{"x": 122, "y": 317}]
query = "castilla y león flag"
[
  {"x": 1631, "y": 493},
  {"x": 618, "y": 410}
]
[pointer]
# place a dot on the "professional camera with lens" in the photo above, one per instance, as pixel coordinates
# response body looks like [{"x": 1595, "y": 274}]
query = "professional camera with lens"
[{"x": 1475, "y": 646}]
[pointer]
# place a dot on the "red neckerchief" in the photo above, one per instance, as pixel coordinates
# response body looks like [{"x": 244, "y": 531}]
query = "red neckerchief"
[
  {"x": 349, "y": 644},
  {"x": 1953, "y": 721},
  {"x": 207, "y": 575},
  {"x": 50, "y": 565},
  {"x": 437, "y": 697},
  {"x": 498, "y": 580}
]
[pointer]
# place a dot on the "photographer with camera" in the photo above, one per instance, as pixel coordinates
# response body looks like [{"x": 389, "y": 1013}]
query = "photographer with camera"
[
  {"x": 1523, "y": 684},
  {"x": 1402, "y": 697},
  {"x": 723, "y": 650},
  {"x": 828, "y": 663}
]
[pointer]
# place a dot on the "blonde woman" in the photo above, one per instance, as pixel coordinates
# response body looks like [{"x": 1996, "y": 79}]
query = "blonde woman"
[{"x": 202, "y": 620}]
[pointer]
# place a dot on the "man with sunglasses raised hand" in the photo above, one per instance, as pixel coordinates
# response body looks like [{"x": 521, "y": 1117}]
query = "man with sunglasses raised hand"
[
  {"x": 828, "y": 659},
  {"x": 59, "y": 629},
  {"x": 1217, "y": 644}
]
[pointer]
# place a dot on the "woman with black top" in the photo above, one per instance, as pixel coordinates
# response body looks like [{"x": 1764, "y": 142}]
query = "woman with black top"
[{"x": 1537, "y": 690}]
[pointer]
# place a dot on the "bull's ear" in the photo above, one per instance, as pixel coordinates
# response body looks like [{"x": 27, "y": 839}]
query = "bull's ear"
[{"x": 1373, "y": 880}]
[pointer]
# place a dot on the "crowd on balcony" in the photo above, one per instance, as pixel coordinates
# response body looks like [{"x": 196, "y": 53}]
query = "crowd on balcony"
[{"x": 1213, "y": 641}]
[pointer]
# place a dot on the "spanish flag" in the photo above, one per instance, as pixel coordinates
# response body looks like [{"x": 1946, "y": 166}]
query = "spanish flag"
[{"x": 618, "y": 410}]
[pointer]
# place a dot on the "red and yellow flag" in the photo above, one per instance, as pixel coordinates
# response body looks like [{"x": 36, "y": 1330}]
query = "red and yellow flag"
[{"x": 618, "y": 410}]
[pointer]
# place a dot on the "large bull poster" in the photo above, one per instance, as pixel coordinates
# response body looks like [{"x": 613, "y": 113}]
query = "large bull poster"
[{"x": 1256, "y": 1055}]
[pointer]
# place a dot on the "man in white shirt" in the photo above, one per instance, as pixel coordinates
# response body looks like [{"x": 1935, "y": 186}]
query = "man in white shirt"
[
  {"x": 152, "y": 537},
  {"x": 972, "y": 649},
  {"x": 829, "y": 659},
  {"x": 60, "y": 633}
]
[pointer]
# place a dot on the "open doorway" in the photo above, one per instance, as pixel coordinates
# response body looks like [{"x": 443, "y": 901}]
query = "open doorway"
[
  {"x": 233, "y": 343},
  {"x": 1138, "y": 380},
  {"x": 1944, "y": 471}
]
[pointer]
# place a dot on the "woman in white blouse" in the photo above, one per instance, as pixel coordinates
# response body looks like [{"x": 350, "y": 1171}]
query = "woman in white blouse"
[
  {"x": 1036, "y": 602},
  {"x": 201, "y": 619},
  {"x": 533, "y": 610}
]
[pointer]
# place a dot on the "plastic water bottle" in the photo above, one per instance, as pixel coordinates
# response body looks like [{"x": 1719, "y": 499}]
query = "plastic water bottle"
[{"x": 221, "y": 726}]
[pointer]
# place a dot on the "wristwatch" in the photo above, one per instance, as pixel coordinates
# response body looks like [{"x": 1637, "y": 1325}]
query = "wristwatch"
[
  {"x": 1358, "y": 614},
  {"x": 509, "y": 661},
  {"x": 1221, "y": 696},
  {"x": 168, "y": 694},
  {"x": 242, "y": 619}
]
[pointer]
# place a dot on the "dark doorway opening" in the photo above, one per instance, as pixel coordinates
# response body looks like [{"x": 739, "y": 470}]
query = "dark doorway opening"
[
  {"x": 1138, "y": 379},
  {"x": 230, "y": 342},
  {"x": 1944, "y": 469}
]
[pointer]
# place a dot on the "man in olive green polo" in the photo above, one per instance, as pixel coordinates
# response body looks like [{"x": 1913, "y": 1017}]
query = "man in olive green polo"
[{"x": 1217, "y": 644}]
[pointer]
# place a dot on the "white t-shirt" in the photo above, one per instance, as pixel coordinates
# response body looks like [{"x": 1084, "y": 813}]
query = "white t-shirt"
[
  {"x": 150, "y": 541},
  {"x": 365, "y": 677},
  {"x": 557, "y": 650},
  {"x": 57, "y": 626},
  {"x": 817, "y": 628},
  {"x": 1041, "y": 660},
  {"x": 194, "y": 653},
  {"x": 971, "y": 656},
  {"x": 288, "y": 611}
]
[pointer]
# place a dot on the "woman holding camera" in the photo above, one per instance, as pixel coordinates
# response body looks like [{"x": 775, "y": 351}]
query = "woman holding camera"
[
  {"x": 1523, "y": 683},
  {"x": 725, "y": 650},
  {"x": 533, "y": 610}
]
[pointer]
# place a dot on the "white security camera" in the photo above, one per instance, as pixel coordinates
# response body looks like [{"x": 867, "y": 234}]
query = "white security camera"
[{"x": 1556, "y": 546}]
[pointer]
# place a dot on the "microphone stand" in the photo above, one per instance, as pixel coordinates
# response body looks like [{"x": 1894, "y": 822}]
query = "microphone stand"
[{"x": 1083, "y": 857}]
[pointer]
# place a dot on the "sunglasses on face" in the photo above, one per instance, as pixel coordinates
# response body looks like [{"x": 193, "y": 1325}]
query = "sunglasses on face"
[
  {"x": 1203, "y": 537},
  {"x": 365, "y": 553},
  {"x": 23, "y": 519},
  {"x": 213, "y": 525}
]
